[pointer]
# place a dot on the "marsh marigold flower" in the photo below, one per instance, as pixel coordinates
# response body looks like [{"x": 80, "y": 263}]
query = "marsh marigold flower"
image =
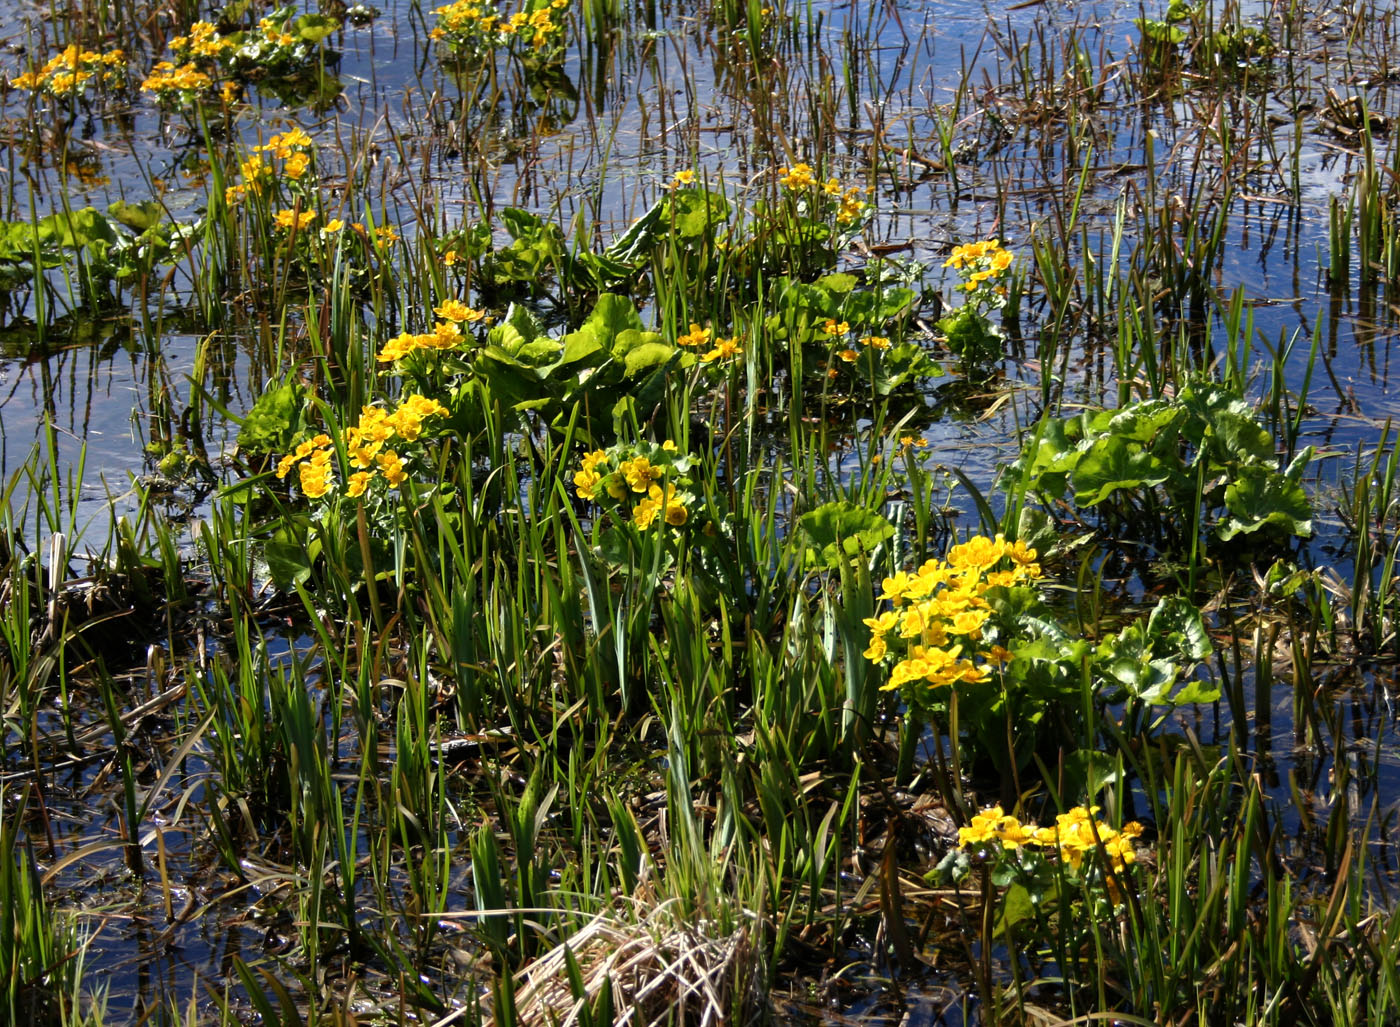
[{"x": 935, "y": 631}]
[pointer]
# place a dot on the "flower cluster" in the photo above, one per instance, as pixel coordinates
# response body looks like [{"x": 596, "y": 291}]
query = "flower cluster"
[
  {"x": 289, "y": 156},
  {"x": 69, "y": 72},
  {"x": 983, "y": 266},
  {"x": 1074, "y": 835},
  {"x": 446, "y": 334},
  {"x": 176, "y": 84},
  {"x": 939, "y": 612},
  {"x": 291, "y": 220},
  {"x": 474, "y": 28},
  {"x": 721, "y": 349},
  {"x": 836, "y": 332},
  {"x": 644, "y": 483},
  {"x": 202, "y": 45},
  {"x": 366, "y": 449},
  {"x": 846, "y": 202}
]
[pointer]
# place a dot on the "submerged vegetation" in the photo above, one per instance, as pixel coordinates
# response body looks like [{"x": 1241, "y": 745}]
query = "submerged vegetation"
[{"x": 698, "y": 513}]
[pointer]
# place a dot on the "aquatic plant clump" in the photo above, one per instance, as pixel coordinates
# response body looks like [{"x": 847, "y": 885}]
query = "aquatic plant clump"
[
  {"x": 447, "y": 334},
  {"x": 641, "y": 484},
  {"x": 468, "y": 28},
  {"x": 283, "y": 161},
  {"x": 72, "y": 71},
  {"x": 985, "y": 268}
]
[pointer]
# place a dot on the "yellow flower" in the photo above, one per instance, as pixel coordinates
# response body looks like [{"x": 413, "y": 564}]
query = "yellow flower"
[
  {"x": 799, "y": 176},
  {"x": 969, "y": 622},
  {"x": 640, "y": 474},
  {"x": 978, "y": 552},
  {"x": 586, "y": 483},
  {"x": 686, "y": 177},
  {"x": 697, "y": 336},
  {"x": 165, "y": 79},
  {"x": 834, "y": 327},
  {"x": 296, "y": 165},
  {"x": 723, "y": 350},
  {"x": 392, "y": 468},
  {"x": 882, "y": 624},
  {"x": 982, "y": 828},
  {"x": 894, "y": 587},
  {"x": 316, "y": 478},
  {"x": 424, "y": 406},
  {"x": 358, "y": 482},
  {"x": 292, "y": 219},
  {"x": 675, "y": 510},
  {"x": 644, "y": 514},
  {"x": 456, "y": 310}
]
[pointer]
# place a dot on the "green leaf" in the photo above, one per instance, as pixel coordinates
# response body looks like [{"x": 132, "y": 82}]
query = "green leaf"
[
  {"x": 611, "y": 315},
  {"x": 288, "y": 561},
  {"x": 1261, "y": 498},
  {"x": 1086, "y": 771},
  {"x": 315, "y": 27},
  {"x": 139, "y": 217},
  {"x": 697, "y": 212},
  {"x": 581, "y": 346},
  {"x": 1016, "y": 907},
  {"x": 646, "y": 355},
  {"x": 837, "y": 284},
  {"x": 519, "y": 327},
  {"x": 1112, "y": 463},
  {"x": 970, "y": 335},
  {"x": 841, "y": 527},
  {"x": 275, "y": 420},
  {"x": 1146, "y": 422},
  {"x": 639, "y": 240},
  {"x": 1195, "y": 692},
  {"x": 82, "y": 228},
  {"x": 1177, "y": 630}
]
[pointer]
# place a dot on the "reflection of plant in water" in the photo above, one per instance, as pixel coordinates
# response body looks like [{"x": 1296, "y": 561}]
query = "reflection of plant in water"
[{"x": 119, "y": 246}]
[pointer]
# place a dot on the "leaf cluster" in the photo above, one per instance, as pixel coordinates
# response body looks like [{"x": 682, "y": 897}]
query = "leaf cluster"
[{"x": 1161, "y": 468}]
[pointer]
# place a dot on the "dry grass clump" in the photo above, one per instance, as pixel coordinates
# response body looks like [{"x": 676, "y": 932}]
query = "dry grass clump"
[{"x": 660, "y": 968}]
